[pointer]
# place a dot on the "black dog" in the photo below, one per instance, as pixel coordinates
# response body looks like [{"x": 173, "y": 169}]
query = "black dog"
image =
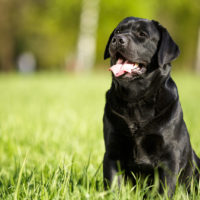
[{"x": 144, "y": 128}]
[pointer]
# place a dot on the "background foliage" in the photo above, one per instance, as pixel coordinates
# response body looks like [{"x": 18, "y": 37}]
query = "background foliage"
[{"x": 49, "y": 29}]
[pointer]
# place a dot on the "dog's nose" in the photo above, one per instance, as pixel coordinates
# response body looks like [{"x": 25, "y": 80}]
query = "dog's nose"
[{"x": 119, "y": 40}]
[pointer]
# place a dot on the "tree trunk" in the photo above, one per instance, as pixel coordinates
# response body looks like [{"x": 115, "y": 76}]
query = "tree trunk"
[
  {"x": 86, "y": 48},
  {"x": 197, "y": 67}
]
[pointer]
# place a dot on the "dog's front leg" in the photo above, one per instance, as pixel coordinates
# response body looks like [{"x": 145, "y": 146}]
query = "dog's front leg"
[
  {"x": 167, "y": 181},
  {"x": 111, "y": 168}
]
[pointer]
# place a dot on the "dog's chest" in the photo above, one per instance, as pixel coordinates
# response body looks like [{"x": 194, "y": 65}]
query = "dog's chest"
[
  {"x": 145, "y": 144},
  {"x": 145, "y": 150},
  {"x": 135, "y": 117}
]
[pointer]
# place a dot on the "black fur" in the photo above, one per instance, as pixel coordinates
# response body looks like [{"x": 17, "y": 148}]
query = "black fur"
[{"x": 144, "y": 128}]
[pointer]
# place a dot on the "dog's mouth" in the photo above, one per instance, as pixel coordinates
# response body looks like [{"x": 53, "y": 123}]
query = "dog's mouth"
[{"x": 126, "y": 68}]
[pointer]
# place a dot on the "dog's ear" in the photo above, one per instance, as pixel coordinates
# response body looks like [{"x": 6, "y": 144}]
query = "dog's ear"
[
  {"x": 168, "y": 49},
  {"x": 106, "y": 52}
]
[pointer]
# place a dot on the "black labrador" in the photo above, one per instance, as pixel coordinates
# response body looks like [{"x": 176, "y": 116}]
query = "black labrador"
[{"x": 143, "y": 121}]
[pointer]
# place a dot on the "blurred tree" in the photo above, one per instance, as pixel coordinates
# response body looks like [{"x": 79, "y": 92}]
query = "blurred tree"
[
  {"x": 86, "y": 48},
  {"x": 7, "y": 46},
  {"x": 198, "y": 54},
  {"x": 50, "y": 29}
]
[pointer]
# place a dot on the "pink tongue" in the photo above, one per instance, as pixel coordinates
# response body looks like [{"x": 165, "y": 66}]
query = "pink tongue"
[{"x": 121, "y": 68}]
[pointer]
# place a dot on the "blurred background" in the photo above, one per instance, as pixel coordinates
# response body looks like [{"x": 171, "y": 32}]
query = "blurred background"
[{"x": 38, "y": 35}]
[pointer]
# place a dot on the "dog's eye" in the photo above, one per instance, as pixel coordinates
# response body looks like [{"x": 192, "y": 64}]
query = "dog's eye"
[
  {"x": 142, "y": 34},
  {"x": 118, "y": 31}
]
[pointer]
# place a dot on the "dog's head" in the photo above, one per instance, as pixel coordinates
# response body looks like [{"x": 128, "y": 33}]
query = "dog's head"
[{"x": 141, "y": 46}]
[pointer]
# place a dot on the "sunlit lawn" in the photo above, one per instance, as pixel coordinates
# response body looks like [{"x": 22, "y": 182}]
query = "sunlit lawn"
[{"x": 51, "y": 142}]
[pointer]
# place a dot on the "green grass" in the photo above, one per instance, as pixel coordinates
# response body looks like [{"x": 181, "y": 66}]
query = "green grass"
[{"x": 51, "y": 142}]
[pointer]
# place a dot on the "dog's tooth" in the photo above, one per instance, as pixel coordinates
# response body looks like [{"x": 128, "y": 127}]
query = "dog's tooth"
[
  {"x": 119, "y": 61},
  {"x": 136, "y": 64}
]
